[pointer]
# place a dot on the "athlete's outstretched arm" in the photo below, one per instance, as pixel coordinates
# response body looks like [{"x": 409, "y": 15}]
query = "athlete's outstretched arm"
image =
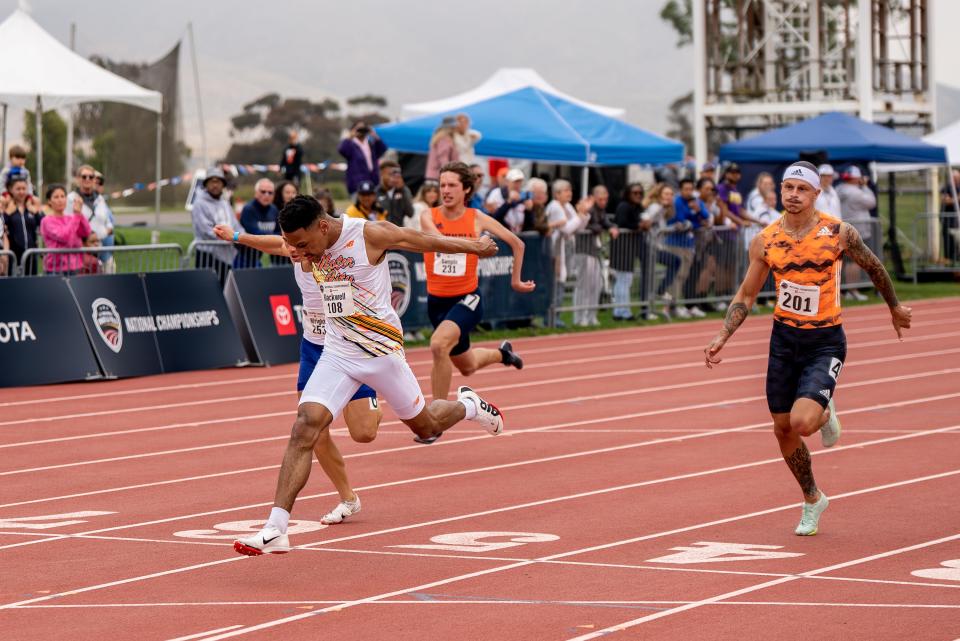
[
  {"x": 493, "y": 226},
  {"x": 382, "y": 236},
  {"x": 853, "y": 247},
  {"x": 267, "y": 243},
  {"x": 742, "y": 302}
]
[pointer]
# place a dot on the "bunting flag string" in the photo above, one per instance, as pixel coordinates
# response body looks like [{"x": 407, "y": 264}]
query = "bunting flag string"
[{"x": 228, "y": 168}]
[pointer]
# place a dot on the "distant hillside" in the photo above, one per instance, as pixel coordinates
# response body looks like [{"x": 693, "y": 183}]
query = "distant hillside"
[{"x": 948, "y": 105}]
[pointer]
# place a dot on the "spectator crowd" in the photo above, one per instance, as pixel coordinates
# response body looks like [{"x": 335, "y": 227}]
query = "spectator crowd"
[{"x": 665, "y": 247}]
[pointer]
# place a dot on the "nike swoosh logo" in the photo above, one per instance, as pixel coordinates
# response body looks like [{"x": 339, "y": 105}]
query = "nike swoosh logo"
[{"x": 265, "y": 541}]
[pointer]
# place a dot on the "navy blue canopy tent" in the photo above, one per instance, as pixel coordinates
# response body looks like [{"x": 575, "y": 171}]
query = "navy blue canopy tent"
[
  {"x": 843, "y": 137},
  {"x": 531, "y": 124}
]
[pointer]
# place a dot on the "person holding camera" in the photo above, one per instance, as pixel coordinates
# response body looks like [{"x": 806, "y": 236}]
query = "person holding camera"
[
  {"x": 22, "y": 216},
  {"x": 362, "y": 150}
]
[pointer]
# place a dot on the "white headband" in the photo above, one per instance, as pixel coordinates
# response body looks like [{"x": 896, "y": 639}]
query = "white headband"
[{"x": 799, "y": 172}]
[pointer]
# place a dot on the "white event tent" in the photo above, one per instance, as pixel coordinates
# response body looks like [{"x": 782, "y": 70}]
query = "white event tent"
[
  {"x": 48, "y": 75},
  {"x": 502, "y": 82}
]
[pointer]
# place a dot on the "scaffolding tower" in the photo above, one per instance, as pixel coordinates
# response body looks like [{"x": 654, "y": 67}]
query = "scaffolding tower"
[{"x": 760, "y": 64}]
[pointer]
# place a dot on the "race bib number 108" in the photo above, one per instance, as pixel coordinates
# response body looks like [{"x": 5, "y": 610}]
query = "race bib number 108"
[{"x": 338, "y": 299}]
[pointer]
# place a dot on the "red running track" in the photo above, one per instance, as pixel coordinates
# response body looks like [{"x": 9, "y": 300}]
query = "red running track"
[{"x": 634, "y": 495}]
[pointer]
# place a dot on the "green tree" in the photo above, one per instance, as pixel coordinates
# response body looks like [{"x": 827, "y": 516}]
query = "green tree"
[
  {"x": 260, "y": 131},
  {"x": 54, "y": 146}
]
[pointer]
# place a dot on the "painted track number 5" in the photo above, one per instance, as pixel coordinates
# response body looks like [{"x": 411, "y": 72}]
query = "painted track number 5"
[{"x": 479, "y": 543}]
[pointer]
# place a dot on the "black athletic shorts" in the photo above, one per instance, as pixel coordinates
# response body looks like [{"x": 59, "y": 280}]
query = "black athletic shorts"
[
  {"x": 466, "y": 311},
  {"x": 803, "y": 363}
]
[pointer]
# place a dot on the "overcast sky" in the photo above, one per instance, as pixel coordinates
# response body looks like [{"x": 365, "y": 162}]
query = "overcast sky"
[{"x": 613, "y": 52}]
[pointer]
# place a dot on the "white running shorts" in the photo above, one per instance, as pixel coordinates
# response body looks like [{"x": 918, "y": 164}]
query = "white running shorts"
[{"x": 336, "y": 379}]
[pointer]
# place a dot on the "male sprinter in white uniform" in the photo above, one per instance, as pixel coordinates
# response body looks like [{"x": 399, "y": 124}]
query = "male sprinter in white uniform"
[
  {"x": 362, "y": 414},
  {"x": 364, "y": 344}
]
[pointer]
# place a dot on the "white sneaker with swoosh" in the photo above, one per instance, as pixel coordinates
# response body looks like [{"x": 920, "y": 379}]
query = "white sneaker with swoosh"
[
  {"x": 342, "y": 511},
  {"x": 487, "y": 413},
  {"x": 269, "y": 540},
  {"x": 830, "y": 431},
  {"x": 810, "y": 519}
]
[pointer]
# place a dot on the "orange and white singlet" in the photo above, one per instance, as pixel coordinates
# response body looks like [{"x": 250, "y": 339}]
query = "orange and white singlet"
[
  {"x": 806, "y": 273},
  {"x": 452, "y": 274}
]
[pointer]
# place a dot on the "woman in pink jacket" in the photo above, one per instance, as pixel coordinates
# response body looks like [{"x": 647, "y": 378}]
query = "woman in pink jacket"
[
  {"x": 60, "y": 229},
  {"x": 442, "y": 148}
]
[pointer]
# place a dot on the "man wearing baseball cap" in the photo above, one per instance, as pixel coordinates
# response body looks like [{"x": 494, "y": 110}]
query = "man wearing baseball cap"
[
  {"x": 209, "y": 210},
  {"x": 828, "y": 201},
  {"x": 366, "y": 204},
  {"x": 507, "y": 204},
  {"x": 804, "y": 250}
]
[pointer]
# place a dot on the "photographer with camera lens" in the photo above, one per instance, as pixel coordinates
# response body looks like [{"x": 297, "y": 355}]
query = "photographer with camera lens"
[{"x": 362, "y": 150}]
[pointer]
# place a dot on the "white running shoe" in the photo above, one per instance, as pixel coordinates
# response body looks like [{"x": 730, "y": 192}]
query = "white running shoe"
[
  {"x": 342, "y": 511},
  {"x": 811, "y": 516},
  {"x": 696, "y": 312},
  {"x": 487, "y": 413},
  {"x": 269, "y": 540},
  {"x": 682, "y": 312},
  {"x": 857, "y": 295},
  {"x": 830, "y": 431}
]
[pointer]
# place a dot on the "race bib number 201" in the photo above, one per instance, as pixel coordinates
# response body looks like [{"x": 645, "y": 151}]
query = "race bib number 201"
[
  {"x": 799, "y": 299},
  {"x": 449, "y": 264},
  {"x": 338, "y": 299}
]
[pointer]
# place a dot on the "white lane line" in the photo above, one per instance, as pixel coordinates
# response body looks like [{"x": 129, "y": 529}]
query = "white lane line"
[
  {"x": 484, "y": 557},
  {"x": 618, "y": 374},
  {"x": 695, "y": 361},
  {"x": 735, "y": 593},
  {"x": 420, "y": 588},
  {"x": 510, "y": 508},
  {"x": 930, "y": 306},
  {"x": 490, "y": 602},
  {"x": 567, "y": 400},
  {"x": 207, "y": 633},
  {"x": 454, "y": 441}
]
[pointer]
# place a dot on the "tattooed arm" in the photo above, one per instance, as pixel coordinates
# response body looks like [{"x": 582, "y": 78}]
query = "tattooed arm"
[
  {"x": 742, "y": 302},
  {"x": 853, "y": 246}
]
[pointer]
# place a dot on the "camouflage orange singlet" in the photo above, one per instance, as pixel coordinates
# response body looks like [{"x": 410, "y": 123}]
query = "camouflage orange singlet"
[{"x": 806, "y": 273}]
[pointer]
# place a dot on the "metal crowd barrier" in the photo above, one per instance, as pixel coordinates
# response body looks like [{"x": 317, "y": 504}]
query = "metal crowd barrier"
[
  {"x": 936, "y": 244},
  {"x": 8, "y": 263},
  {"x": 222, "y": 255},
  {"x": 641, "y": 271},
  {"x": 119, "y": 259}
]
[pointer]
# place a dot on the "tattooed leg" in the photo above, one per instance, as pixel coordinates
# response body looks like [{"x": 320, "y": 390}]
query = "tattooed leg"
[
  {"x": 796, "y": 455},
  {"x": 802, "y": 468}
]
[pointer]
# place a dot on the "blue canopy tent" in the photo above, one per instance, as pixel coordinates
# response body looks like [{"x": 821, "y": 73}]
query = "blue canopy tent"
[
  {"x": 535, "y": 125},
  {"x": 843, "y": 137}
]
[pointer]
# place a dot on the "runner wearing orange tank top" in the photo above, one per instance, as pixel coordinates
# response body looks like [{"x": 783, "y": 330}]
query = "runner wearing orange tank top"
[
  {"x": 804, "y": 250},
  {"x": 454, "y": 303}
]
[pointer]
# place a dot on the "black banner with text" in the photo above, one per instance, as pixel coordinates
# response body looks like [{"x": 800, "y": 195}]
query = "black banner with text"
[{"x": 42, "y": 337}]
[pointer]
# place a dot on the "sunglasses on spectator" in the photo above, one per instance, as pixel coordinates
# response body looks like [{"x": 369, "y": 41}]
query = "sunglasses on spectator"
[
  {"x": 264, "y": 191},
  {"x": 636, "y": 192},
  {"x": 87, "y": 176}
]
